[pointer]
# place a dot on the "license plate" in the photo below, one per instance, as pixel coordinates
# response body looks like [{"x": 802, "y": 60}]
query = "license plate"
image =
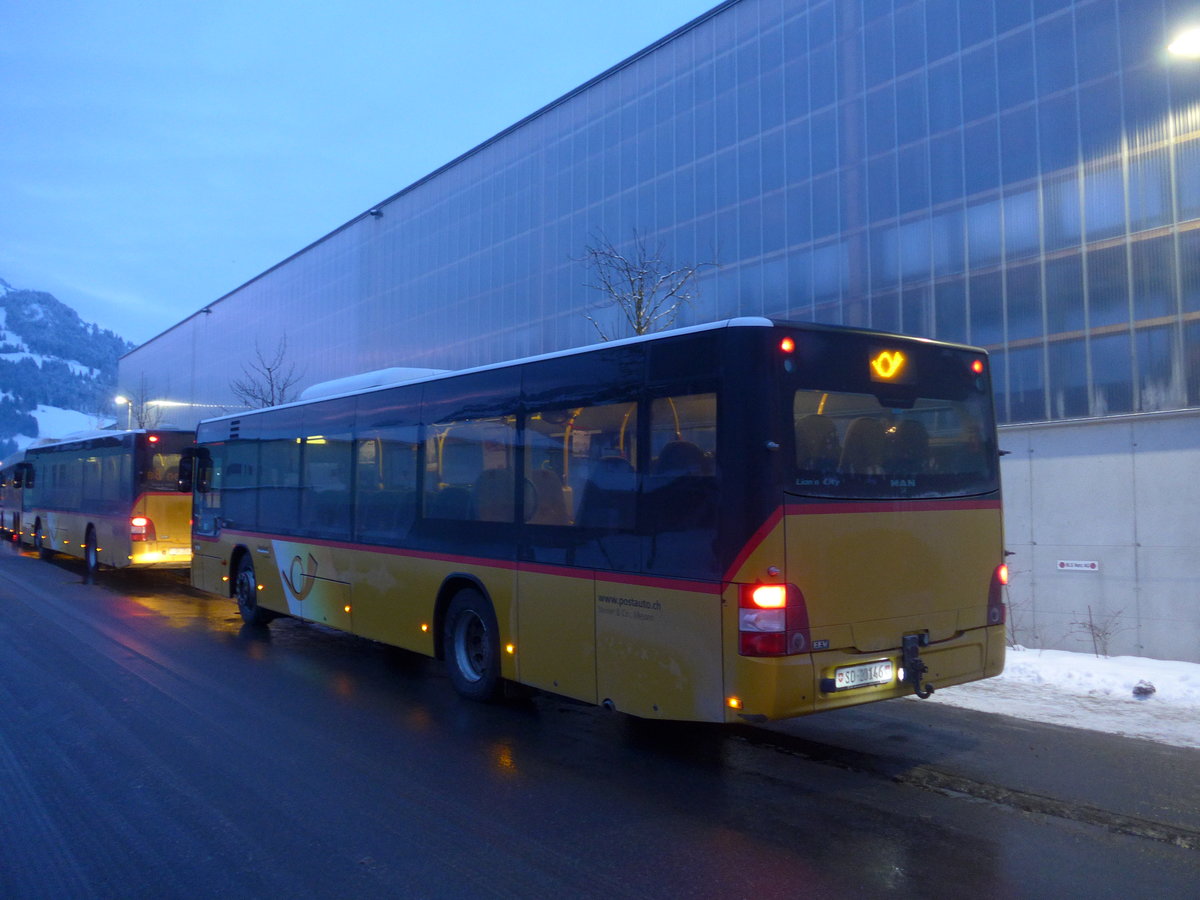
[
  {"x": 177, "y": 551},
  {"x": 847, "y": 677}
]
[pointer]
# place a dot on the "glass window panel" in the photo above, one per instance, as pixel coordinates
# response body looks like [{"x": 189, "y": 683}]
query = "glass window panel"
[
  {"x": 749, "y": 170},
  {"x": 1021, "y": 223},
  {"x": 911, "y": 120},
  {"x": 1068, "y": 379},
  {"x": 917, "y": 308},
  {"x": 1060, "y": 212},
  {"x": 1189, "y": 270},
  {"x": 1055, "y": 42},
  {"x": 1187, "y": 176},
  {"x": 795, "y": 86},
  {"x": 881, "y": 120},
  {"x": 987, "y": 310},
  {"x": 799, "y": 214},
  {"x": 1149, "y": 189},
  {"x": 1018, "y": 145},
  {"x": 1064, "y": 294},
  {"x": 913, "y": 166},
  {"x": 945, "y": 96},
  {"x": 822, "y": 77},
  {"x": 975, "y": 22},
  {"x": 799, "y": 153},
  {"x": 915, "y": 250},
  {"x": 1104, "y": 200},
  {"x": 774, "y": 222},
  {"x": 1026, "y": 385},
  {"x": 885, "y": 312},
  {"x": 771, "y": 99},
  {"x": 1014, "y": 55},
  {"x": 1191, "y": 345},
  {"x": 948, "y": 242},
  {"x": 885, "y": 259},
  {"x": 946, "y": 167},
  {"x": 750, "y": 229},
  {"x": 1096, "y": 39},
  {"x": 1145, "y": 95},
  {"x": 1112, "y": 374},
  {"x": 950, "y": 299},
  {"x": 981, "y": 144},
  {"x": 1161, "y": 382},
  {"x": 1024, "y": 296},
  {"x": 1142, "y": 35},
  {"x": 1012, "y": 13},
  {"x": 824, "y": 141},
  {"x": 941, "y": 28},
  {"x": 983, "y": 233},
  {"x": 979, "y": 81},
  {"x": 1153, "y": 278},
  {"x": 825, "y": 220},
  {"x": 881, "y": 174},
  {"x": 910, "y": 38},
  {"x": 877, "y": 52},
  {"x": 1108, "y": 287},
  {"x": 1059, "y": 133},
  {"x": 773, "y": 161}
]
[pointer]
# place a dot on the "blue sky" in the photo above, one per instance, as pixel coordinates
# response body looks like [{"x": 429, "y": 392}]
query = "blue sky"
[{"x": 155, "y": 155}]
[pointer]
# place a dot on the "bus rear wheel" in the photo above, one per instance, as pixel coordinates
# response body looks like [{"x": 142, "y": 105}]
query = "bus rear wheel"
[
  {"x": 471, "y": 639},
  {"x": 245, "y": 591}
]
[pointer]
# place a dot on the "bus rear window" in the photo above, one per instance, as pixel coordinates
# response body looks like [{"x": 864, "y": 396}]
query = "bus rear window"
[{"x": 849, "y": 445}]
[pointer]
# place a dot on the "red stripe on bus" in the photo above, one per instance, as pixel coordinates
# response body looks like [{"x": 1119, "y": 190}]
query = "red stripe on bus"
[
  {"x": 578, "y": 572},
  {"x": 886, "y": 506}
]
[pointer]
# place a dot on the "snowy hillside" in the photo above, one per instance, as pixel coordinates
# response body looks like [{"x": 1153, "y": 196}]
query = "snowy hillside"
[{"x": 58, "y": 373}]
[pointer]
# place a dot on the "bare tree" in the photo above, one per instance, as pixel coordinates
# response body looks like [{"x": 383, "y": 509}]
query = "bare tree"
[
  {"x": 648, "y": 293},
  {"x": 267, "y": 381},
  {"x": 140, "y": 410}
]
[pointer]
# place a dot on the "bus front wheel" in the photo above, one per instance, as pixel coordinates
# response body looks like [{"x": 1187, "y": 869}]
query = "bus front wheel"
[
  {"x": 472, "y": 644},
  {"x": 245, "y": 591}
]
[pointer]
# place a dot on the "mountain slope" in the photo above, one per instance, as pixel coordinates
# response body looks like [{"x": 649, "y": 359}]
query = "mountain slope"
[{"x": 50, "y": 359}]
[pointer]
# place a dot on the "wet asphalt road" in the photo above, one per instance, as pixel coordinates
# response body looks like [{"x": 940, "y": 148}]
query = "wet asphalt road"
[{"x": 151, "y": 746}]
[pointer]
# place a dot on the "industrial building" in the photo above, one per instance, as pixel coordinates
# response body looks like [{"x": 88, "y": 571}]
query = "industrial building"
[{"x": 1022, "y": 175}]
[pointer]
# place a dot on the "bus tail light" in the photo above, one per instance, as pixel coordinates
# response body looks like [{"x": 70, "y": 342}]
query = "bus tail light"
[
  {"x": 996, "y": 612},
  {"x": 141, "y": 529},
  {"x": 772, "y": 620}
]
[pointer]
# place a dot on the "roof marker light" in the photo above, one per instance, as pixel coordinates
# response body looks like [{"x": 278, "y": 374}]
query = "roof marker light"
[
  {"x": 977, "y": 367},
  {"x": 787, "y": 345}
]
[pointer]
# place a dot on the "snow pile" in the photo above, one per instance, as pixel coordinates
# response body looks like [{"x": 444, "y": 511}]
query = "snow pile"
[{"x": 1083, "y": 691}]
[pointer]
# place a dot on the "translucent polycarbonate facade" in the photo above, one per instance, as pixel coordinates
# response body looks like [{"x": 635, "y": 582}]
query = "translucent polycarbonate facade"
[{"x": 1019, "y": 174}]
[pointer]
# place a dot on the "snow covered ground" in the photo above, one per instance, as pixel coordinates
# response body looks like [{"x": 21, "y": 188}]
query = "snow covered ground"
[{"x": 1082, "y": 691}]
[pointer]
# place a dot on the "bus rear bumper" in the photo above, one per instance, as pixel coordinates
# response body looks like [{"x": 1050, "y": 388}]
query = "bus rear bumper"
[{"x": 768, "y": 689}]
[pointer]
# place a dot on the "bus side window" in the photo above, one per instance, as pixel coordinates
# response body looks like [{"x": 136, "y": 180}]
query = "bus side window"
[
  {"x": 603, "y": 460},
  {"x": 469, "y": 470}
]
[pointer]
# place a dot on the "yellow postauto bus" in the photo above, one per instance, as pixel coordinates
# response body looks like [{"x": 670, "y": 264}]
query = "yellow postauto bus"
[
  {"x": 749, "y": 520},
  {"x": 110, "y": 497}
]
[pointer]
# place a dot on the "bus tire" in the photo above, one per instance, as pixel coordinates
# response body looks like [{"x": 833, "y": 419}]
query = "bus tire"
[
  {"x": 91, "y": 559},
  {"x": 471, "y": 640},
  {"x": 38, "y": 544},
  {"x": 245, "y": 592}
]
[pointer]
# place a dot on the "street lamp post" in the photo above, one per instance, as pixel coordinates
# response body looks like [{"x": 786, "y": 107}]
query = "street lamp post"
[{"x": 128, "y": 404}]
